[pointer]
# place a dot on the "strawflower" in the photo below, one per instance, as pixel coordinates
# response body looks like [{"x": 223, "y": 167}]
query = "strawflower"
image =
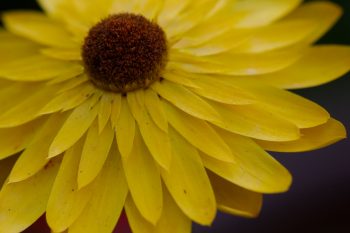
[{"x": 163, "y": 108}]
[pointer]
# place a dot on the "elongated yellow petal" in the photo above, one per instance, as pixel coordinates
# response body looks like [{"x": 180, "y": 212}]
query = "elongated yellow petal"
[
  {"x": 171, "y": 9},
  {"x": 198, "y": 133},
  {"x": 14, "y": 140},
  {"x": 5, "y": 168},
  {"x": 75, "y": 126},
  {"x": 324, "y": 13},
  {"x": 258, "y": 13},
  {"x": 186, "y": 100},
  {"x": 69, "y": 54},
  {"x": 38, "y": 27},
  {"x": 233, "y": 199},
  {"x": 320, "y": 65},
  {"x": 125, "y": 130},
  {"x": 172, "y": 219},
  {"x": 235, "y": 64},
  {"x": 213, "y": 25},
  {"x": 147, "y": 8},
  {"x": 14, "y": 93},
  {"x": 160, "y": 148},
  {"x": 27, "y": 109},
  {"x": 13, "y": 47},
  {"x": 220, "y": 43},
  {"x": 109, "y": 192},
  {"x": 155, "y": 109},
  {"x": 95, "y": 153},
  {"x": 188, "y": 182},
  {"x": 16, "y": 199},
  {"x": 69, "y": 84},
  {"x": 221, "y": 91},
  {"x": 116, "y": 108},
  {"x": 255, "y": 169},
  {"x": 254, "y": 121},
  {"x": 34, "y": 158},
  {"x": 145, "y": 187},
  {"x": 69, "y": 99},
  {"x": 137, "y": 222},
  {"x": 66, "y": 201},
  {"x": 276, "y": 36},
  {"x": 179, "y": 78},
  {"x": 186, "y": 20},
  {"x": 295, "y": 109},
  {"x": 311, "y": 139},
  {"x": 30, "y": 68},
  {"x": 105, "y": 110},
  {"x": 67, "y": 13}
]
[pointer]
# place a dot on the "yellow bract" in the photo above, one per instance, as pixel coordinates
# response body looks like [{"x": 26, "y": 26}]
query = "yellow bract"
[{"x": 188, "y": 145}]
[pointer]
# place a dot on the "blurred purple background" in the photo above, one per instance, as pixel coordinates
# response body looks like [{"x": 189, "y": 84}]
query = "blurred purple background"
[{"x": 319, "y": 199}]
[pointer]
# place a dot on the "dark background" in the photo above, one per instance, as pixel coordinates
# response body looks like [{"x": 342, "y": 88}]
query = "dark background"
[{"x": 319, "y": 199}]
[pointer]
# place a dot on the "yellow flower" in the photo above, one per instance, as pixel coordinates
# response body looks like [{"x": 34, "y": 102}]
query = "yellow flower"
[{"x": 164, "y": 108}]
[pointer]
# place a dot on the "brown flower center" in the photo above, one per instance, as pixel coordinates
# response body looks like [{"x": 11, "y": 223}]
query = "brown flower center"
[{"x": 125, "y": 52}]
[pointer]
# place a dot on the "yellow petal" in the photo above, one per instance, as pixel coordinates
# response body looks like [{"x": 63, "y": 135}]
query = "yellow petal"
[
  {"x": 13, "y": 47},
  {"x": 67, "y": 13},
  {"x": 30, "y": 69},
  {"x": 172, "y": 219},
  {"x": 199, "y": 133},
  {"x": 159, "y": 148},
  {"x": 27, "y": 109},
  {"x": 188, "y": 19},
  {"x": 125, "y": 130},
  {"x": 69, "y": 99},
  {"x": 66, "y": 201},
  {"x": 75, "y": 126},
  {"x": 37, "y": 27},
  {"x": 235, "y": 64},
  {"x": 258, "y": 13},
  {"x": 255, "y": 169},
  {"x": 34, "y": 158},
  {"x": 70, "y": 83},
  {"x": 136, "y": 221},
  {"x": 145, "y": 187},
  {"x": 171, "y": 9},
  {"x": 155, "y": 109},
  {"x": 147, "y": 8},
  {"x": 295, "y": 109},
  {"x": 186, "y": 100},
  {"x": 116, "y": 108},
  {"x": 179, "y": 78},
  {"x": 105, "y": 110},
  {"x": 109, "y": 192},
  {"x": 67, "y": 76},
  {"x": 14, "y": 93},
  {"x": 95, "y": 153},
  {"x": 188, "y": 182},
  {"x": 222, "y": 42},
  {"x": 221, "y": 91},
  {"x": 235, "y": 200},
  {"x": 16, "y": 199},
  {"x": 254, "y": 121},
  {"x": 14, "y": 140},
  {"x": 322, "y": 64},
  {"x": 311, "y": 139},
  {"x": 5, "y": 168},
  {"x": 69, "y": 54},
  {"x": 324, "y": 13},
  {"x": 276, "y": 36}
]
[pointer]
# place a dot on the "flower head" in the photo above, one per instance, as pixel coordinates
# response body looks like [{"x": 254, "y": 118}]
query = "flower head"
[{"x": 164, "y": 108}]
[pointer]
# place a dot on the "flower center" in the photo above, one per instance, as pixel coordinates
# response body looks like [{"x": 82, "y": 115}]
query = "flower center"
[{"x": 125, "y": 52}]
